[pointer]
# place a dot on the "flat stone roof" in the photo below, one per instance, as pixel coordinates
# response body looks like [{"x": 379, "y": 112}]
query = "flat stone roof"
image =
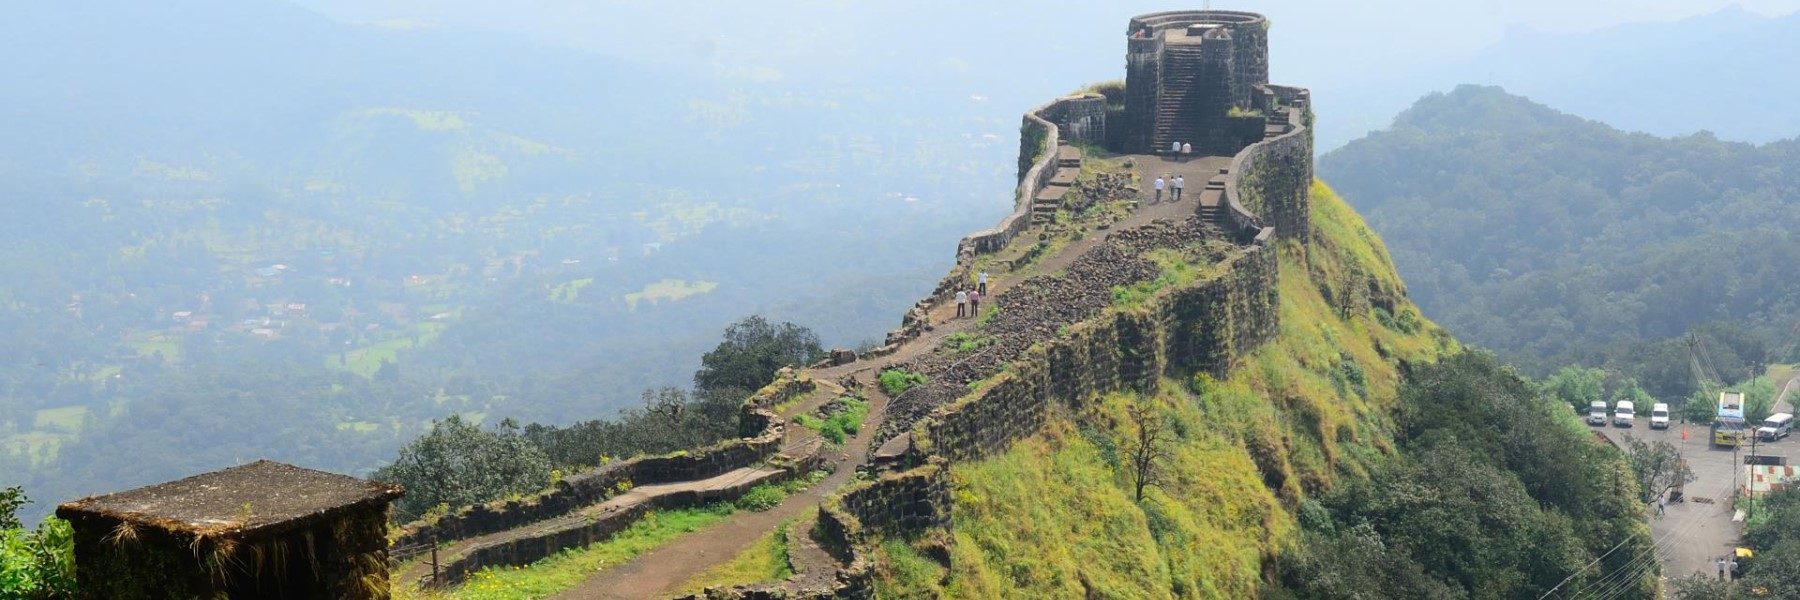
[{"x": 246, "y": 498}]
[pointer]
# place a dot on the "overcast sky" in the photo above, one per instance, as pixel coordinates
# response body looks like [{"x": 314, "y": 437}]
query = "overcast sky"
[
  {"x": 1338, "y": 48},
  {"x": 1368, "y": 25}
]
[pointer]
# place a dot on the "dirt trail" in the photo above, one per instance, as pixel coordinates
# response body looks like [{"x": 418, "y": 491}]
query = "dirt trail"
[
  {"x": 638, "y": 495},
  {"x": 655, "y": 574}
]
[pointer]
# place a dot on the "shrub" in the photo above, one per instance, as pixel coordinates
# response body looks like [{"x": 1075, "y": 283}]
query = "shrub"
[
  {"x": 897, "y": 381},
  {"x": 963, "y": 341},
  {"x": 761, "y": 498},
  {"x": 38, "y": 564}
]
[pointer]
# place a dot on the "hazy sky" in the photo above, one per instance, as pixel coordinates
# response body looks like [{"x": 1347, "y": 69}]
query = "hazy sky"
[
  {"x": 1368, "y": 25},
  {"x": 1338, "y": 48}
]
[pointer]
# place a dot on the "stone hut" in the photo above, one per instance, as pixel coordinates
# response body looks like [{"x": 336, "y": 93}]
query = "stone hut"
[{"x": 261, "y": 530}]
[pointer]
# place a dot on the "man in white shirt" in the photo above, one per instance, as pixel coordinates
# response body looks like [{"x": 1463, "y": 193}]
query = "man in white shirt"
[
  {"x": 981, "y": 283},
  {"x": 1159, "y": 189},
  {"x": 1179, "y": 184},
  {"x": 962, "y": 303},
  {"x": 1174, "y": 147}
]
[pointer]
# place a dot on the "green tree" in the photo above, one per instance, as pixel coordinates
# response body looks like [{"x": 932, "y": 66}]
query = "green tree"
[
  {"x": 10, "y": 500},
  {"x": 1577, "y": 386},
  {"x": 458, "y": 463},
  {"x": 34, "y": 565},
  {"x": 753, "y": 350}
]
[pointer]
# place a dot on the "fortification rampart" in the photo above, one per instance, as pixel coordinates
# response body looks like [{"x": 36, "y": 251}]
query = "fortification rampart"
[
  {"x": 580, "y": 532},
  {"x": 593, "y": 486},
  {"x": 1206, "y": 326},
  {"x": 1273, "y": 178},
  {"x": 1041, "y": 134}
]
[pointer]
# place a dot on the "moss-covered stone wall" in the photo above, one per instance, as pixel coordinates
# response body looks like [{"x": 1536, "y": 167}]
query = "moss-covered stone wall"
[
  {"x": 578, "y": 533},
  {"x": 762, "y": 439},
  {"x": 1272, "y": 178}
]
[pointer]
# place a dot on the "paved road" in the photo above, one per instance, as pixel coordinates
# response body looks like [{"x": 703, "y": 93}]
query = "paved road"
[{"x": 1692, "y": 535}]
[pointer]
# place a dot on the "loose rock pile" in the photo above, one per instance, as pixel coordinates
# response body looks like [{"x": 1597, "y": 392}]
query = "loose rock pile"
[
  {"x": 1036, "y": 309},
  {"x": 1103, "y": 187}
]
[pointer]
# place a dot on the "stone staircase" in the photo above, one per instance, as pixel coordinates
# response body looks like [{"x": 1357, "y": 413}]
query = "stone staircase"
[
  {"x": 1179, "y": 107},
  {"x": 1049, "y": 199},
  {"x": 1212, "y": 202}
]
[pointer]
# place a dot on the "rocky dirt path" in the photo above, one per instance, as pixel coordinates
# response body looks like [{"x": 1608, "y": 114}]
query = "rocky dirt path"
[{"x": 657, "y": 573}]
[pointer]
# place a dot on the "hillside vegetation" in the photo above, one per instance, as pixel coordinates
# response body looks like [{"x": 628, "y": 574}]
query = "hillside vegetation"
[
  {"x": 1311, "y": 471},
  {"x": 1554, "y": 239}
]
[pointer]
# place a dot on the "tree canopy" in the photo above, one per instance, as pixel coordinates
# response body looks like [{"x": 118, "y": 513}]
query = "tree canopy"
[{"x": 1553, "y": 239}]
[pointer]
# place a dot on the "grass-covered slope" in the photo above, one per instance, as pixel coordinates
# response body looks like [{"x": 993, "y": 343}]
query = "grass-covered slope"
[
  {"x": 1250, "y": 494},
  {"x": 1056, "y": 516}
]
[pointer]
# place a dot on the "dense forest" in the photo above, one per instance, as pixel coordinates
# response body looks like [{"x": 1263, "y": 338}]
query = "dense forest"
[
  {"x": 1496, "y": 493},
  {"x": 1556, "y": 240}
]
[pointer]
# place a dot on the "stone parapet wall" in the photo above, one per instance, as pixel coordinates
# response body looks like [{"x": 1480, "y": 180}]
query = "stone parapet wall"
[
  {"x": 901, "y": 503},
  {"x": 1079, "y": 119},
  {"x": 582, "y": 532},
  {"x": 597, "y": 485},
  {"x": 1273, "y": 178},
  {"x": 1205, "y": 326}
]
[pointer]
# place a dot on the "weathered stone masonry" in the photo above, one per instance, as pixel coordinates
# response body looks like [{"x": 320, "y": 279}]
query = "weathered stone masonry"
[{"x": 1207, "y": 326}]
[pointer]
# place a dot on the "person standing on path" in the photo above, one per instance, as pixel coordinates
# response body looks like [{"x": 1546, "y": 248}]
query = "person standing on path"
[
  {"x": 1721, "y": 568},
  {"x": 1159, "y": 188},
  {"x": 981, "y": 282},
  {"x": 1186, "y": 151},
  {"x": 974, "y": 303},
  {"x": 1179, "y": 184},
  {"x": 1174, "y": 148},
  {"x": 962, "y": 303}
]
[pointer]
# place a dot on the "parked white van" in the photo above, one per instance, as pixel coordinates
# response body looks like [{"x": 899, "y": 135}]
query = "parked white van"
[
  {"x": 1597, "y": 413},
  {"x": 1775, "y": 427},
  {"x": 1622, "y": 414},
  {"x": 1659, "y": 416}
]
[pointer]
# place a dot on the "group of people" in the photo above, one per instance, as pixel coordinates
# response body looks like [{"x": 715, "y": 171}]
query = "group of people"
[
  {"x": 1181, "y": 149},
  {"x": 1729, "y": 563},
  {"x": 1174, "y": 193},
  {"x": 968, "y": 302}
]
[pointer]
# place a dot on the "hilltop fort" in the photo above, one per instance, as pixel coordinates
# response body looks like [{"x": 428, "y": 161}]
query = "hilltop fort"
[{"x": 1100, "y": 285}]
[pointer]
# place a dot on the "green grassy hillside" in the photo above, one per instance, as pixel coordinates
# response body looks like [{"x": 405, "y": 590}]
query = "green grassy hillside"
[{"x": 1316, "y": 410}]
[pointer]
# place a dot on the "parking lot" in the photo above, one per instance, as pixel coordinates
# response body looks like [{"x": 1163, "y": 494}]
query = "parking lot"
[{"x": 1692, "y": 535}]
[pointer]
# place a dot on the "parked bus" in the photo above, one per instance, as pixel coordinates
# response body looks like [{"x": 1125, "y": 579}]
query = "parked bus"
[{"x": 1728, "y": 424}]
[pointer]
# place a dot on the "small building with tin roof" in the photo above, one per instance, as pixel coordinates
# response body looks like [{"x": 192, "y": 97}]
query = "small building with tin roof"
[{"x": 261, "y": 530}]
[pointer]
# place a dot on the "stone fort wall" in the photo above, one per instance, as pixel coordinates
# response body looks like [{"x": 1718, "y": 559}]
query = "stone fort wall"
[
  {"x": 762, "y": 440},
  {"x": 1207, "y": 326},
  {"x": 1078, "y": 119}
]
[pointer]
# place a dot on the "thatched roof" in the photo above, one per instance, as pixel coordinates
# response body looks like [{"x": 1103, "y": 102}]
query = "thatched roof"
[{"x": 262, "y": 497}]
